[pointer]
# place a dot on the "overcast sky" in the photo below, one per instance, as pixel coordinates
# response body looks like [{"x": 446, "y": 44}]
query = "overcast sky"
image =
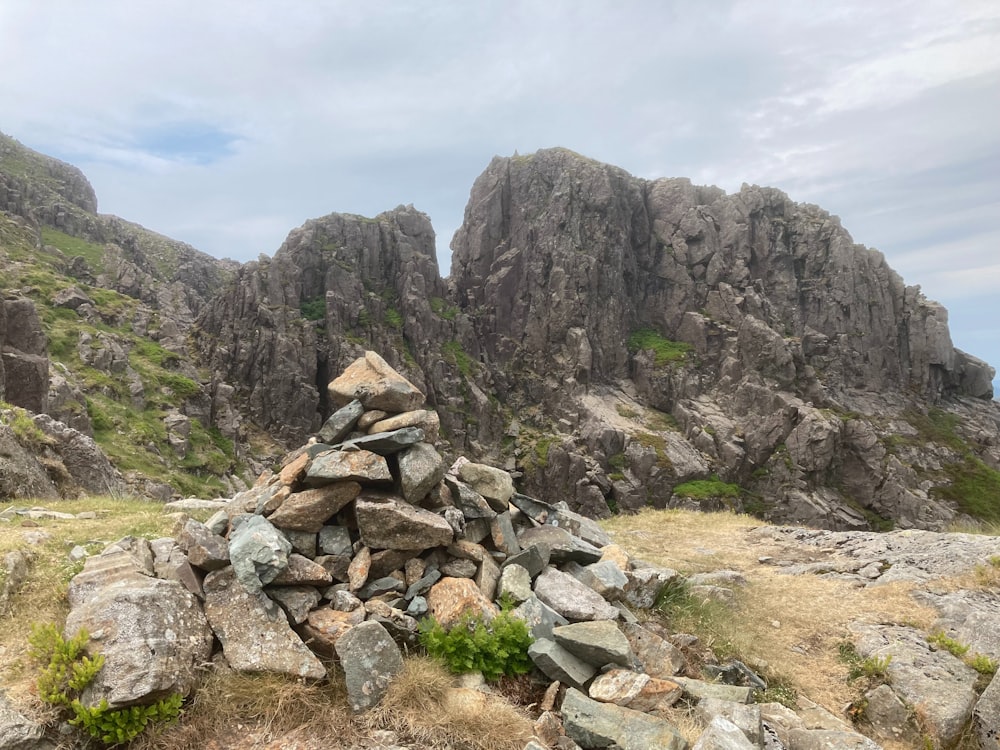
[{"x": 226, "y": 123}]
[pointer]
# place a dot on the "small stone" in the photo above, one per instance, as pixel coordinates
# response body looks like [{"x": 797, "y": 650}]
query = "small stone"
[
  {"x": 557, "y": 663},
  {"x": 496, "y": 485},
  {"x": 259, "y": 552},
  {"x": 341, "y": 422},
  {"x": 388, "y": 523},
  {"x": 515, "y": 583},
  {"x": 297, "y": 601},
  {"x": 359, "y": 569},
  {"x": 487, "y": 577},
  {"x": 421, "y": 468},
  {"x": 459, "y": 568},
  {"x": 324, "y": 627},
  {"x": 294, "y": 471},
  {"x": 334, "y": 540},
  {"x": 502, "y": 532},
  {"x": 534, "y": 559},
  {"x": 371, "y": 380},
  {"x": 598, "y": 643},
  {"x": 572, "y": 599}
]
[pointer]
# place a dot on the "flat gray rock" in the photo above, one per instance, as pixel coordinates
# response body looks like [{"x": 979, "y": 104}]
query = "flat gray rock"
[
  {"x": 829, "y": 739},
  {"x": 254, "y": 631},
  {"x": 18, "y": 732},
  {"x": 496, "y": 485},
  {"x": 297, "y": 601},
  {"x": 466, "y": 499},
  {"x": 594, "y": 724},
  {"x": 557, "y": 663},
  {"x": 352, "y": 466},
  {"x": 341, "y": 422},
  {"x": 572, "y": 599},
  {"x": 370, "y": 660},
  {"x": 334, "y": 540},
  {"x": 563, "y": 547},
  {"x": 599, "y": 643},
  {"x": 533, "y": 559},
  {"x": 746, "y": 717},
  {"x": 579, "y": 526},
  {"x": 385, "y": 443},
  {"x": 388, "y": 523},
  {"x": 539, "y": 617},
  {"x": 722, "y": 734},
  {"x": 935, "y": 680},
  {"x": 205, "y": 549}
]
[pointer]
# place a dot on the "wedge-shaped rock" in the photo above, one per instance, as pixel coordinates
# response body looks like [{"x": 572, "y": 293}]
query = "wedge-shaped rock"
[
  {"x": 385, "y": 443},
  {"x": 425, "y": 419},
  {"x": 722, "y": 734},
  {"x": 563, "y": 546},
  {"x": 557, "y": 663},
  {"x": 503, "y": 535},
  {"x": 659, "y": 657},
  {"x": 297, "y": 601},
  {"x": 358, "y": 466},
  {"x": 370, "y": 660},
  {"x": 539, "y": 617},
  {"x": 420, "y": 469},
  {"x": 151, "y": 632},
  {"x": 572, "y": 599},
  {"x": 389, "y": 523},
  {"x": 471, "y": 503},
  {"x": 635, "y": 690},
  {"x": 599, "y": 642},
  {"x": 594, "y": 724},
  {"x": 372, "y": 381},
  {"x": 259, "y": 552},
  {"x": 829, "y": 739},
  {"x": 341, "y": 422},
  {"x": 309, "y": 510},
  {"x": 746, "y": 717},
  {"x": 254, "y": 631},
  {"x": 644, "y": 585},
  {"x": 606, "y": 578},
  {"x": 533, "y": 559},
  {"x": 301, "y": 571},
  {"x": 452, "y": 598},
  {"x": 577, "y": 525},
  {"x": 701, "y": 690},
  {"x": 324, "y": 627},
  {"x": 496, "y": 485}
]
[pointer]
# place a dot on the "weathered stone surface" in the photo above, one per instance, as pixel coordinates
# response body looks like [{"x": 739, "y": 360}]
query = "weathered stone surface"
[
  {"x": 420, "y": 469},
  {"x": 702, "y": 690},
  {"x": 502, "y": 533},
  {"x": 376, "y": 385},
  {"x": 415, "y": 418},
  {"x": 324, "y": 627},
  {"x": 487, "y": 577},
  {"x": 380, "y": 586},
  {"x": 451, "y": 598},
  {"x": 388, "y": 523},
  {"x": 557, "y": 663},
  {"x": 297, "y": 601},
  {"x": 370, "y": 660},
  {"x": 423, "y": 585},
  {"x": 533, "y": 559},
  {"x": 301, "y": 571},
  {"x": 722, "y": 734},
  {"x": 310, "y": 509},
  {"x": 359, "y": 569},
  {"x": 539, "y": 617},
  {"x": 635, "y": 690},
  {"x": 658, "y": 657},
  {"x": 606, "y": 578},
  {"x": 340, "y": 423},
  {"x": 577, "y": 525},
  {"x": 986, "y": 715},
  {"x": 253, "y": 630},
  {"x": 563, "y": 546},
  {"x": 295, "y": 470},
  {"x": 493, "y": 484},
  {"x": 889, "y": 717},
  {"x": 151, "y": 632},
  {"x": 385, "y": 443},
  {"x": 746, "y": 717},
  {"x": 598, "y": 643},
  {"x": 471, "y": 503},
  {"x": 353, "y": 466},
  {"x": 259, "y": 552},
  {"x": 515, "y": 583},
  {"x": 204, "y": 549},
  {"x": 18, "y": 732},
  {"x": 386, "y": 561},
  {"x": 459, "y": 568},
  {"x": 934, "y": 680},
  {"x": 334, "y": 540},
  {"x": 644, "y": 585},
  {"x": 572, "y": 599},
  {"x": 829, "y": 739},
  {"x": 594, "y": 724}
]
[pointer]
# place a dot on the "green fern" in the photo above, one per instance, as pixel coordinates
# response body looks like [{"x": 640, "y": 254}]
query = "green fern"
[{"x": 497, "y": 648}]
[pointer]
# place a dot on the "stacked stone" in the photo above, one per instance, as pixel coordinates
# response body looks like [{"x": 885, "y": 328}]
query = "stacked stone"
[{"x": 364, "y": 531}]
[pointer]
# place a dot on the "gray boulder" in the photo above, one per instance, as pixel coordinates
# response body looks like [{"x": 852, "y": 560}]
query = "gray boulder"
[
  {"x": 389, "y": 523},
  {"x": 259, "y": 552},
  {"x": 340, "y": 423},
  {"x": 309, "y": 510},
  {"x": 253, "y": 630},
  {"x": 370, "y": 659},
  {"x": 598, "y": 643},
  {"x": 151, "y": 632},
  {"x": 572, "y": 599},
  {"x": 557, "y": 663},
  {"x": 420, "y": 469},
  {"x": 722, "y": 734},
  {"x": 594, "y": 724}
]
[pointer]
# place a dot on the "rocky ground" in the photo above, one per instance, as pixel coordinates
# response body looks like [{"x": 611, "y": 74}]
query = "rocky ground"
[{"x": 657, "y": 630}]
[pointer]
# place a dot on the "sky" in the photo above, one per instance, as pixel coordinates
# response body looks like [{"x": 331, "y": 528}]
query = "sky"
[{"x": 228, "y": 123}]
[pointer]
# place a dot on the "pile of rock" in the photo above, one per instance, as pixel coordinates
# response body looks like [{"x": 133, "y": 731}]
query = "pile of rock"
[{"x": 358, "y": 535}]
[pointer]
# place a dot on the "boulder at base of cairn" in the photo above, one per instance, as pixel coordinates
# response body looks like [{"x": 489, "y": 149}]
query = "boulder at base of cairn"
[{"x": 370, "y": 659}]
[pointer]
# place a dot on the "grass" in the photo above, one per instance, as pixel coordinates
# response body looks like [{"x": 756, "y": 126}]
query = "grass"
[
  {"x": 665, "y": 352},
  {"x": 702, "y": 489},
  {"x": 974, "y": 487},
  {"x": 454, "y": 351},
  {"x": 659, "y": 444},
  {"x": 313, "y": 309},
  {"x": 443, "y": 309},
  {"x": 793, "y": 624}
]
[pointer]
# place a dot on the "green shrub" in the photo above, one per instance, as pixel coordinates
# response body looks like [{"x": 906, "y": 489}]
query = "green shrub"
[
  {"x": 665, "y": 351},
  {"x": 953, "y": 647},
  {"x": 313, "y": 309},
  {"x": 442, "y": 309},
  {"x": 873, "y": 668},
  {"x": 118, "y": 726},
  {"x": 455, "y": 352},
  {"x": 497, "y": 648},
  {"x": 25, "y": 429},
  {"x": 982, "y": 664},
  {"x": 394, "y": 318}
]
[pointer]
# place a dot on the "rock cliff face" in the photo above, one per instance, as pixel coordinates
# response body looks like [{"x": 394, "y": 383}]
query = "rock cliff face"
[{"x": 614, "y": 342}]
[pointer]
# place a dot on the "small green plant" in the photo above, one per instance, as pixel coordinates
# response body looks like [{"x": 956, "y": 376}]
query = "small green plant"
[
  {"x": 873, "y": 668},
  {"x": 67, "y": 670},
  {"x": 313, "y": 309},
  {"x": 455, "y": 352},
  {"x": 665, "y": 351},
  {"x": 617, "y": 461},
  {"x": 701, "y": 489},
  {"x": 394, "y": 318},
  {"x": 982, "y": 664},
  {"x": 442, "y": 309},
  {"x": 497, "y": 648},
  {"x": 25, "y": 428},
  {"x": 955, "y": 648}
]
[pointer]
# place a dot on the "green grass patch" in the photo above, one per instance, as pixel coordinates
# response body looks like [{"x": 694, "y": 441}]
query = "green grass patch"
[
  {"x": 658, "y": 444},
  {"x": 454, "y": 351},
  {"x": 665, "y": 351},
  {"x": 702, "y": 489},
  {"x": 394, "y": 318},
  {"x": 313, "y": 309},
  {"x": 443, "y": 309},
  {"x": 72, "y": 246},
  {"x": 974, "y": 487}
]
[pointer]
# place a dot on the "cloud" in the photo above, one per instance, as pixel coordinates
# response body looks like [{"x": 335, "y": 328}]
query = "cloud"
[{"x": 228, "y": 123}]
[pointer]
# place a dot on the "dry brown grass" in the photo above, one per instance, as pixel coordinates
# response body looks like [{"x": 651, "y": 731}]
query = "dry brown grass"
[
  {"x": 423, "y": 707},
  {"x": 788, "y": 626}
]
